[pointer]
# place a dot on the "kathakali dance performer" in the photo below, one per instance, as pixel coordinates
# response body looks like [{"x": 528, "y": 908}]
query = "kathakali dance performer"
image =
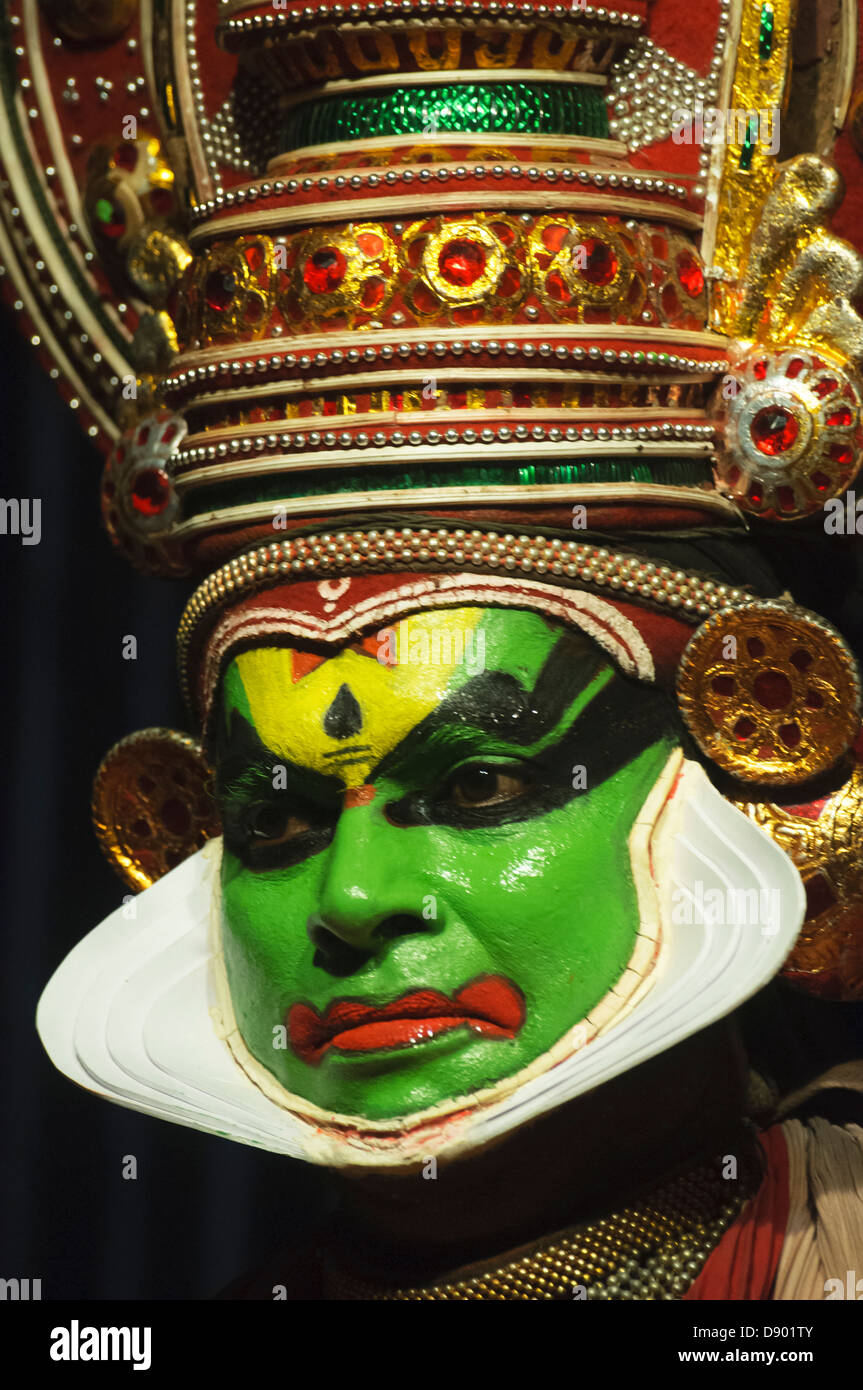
[{"x": 463, "y": 356}]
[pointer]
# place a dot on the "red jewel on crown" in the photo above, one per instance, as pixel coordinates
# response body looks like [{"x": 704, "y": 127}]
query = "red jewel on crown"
[
  {"x": 462, "y": 262},
  {"x": 324, "y": 270},
  {"x": 151, "y": 492},
  {"x": 773, "y": 430},
  {"x": 600, "y": 264}
]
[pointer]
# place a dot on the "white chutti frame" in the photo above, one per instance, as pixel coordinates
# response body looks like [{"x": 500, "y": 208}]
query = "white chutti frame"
[{"x": 129, "y": 1014}]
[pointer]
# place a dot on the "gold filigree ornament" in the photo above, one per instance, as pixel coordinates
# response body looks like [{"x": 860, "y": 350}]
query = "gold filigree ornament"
[
  {"x": 153, "y": 805},
  {"x": 466, "y": 267},
  {"x": 791, "y": 431},
  {"x": 770, "y": 692},
  {"x": 228, "y": 292},
  {"x": 790, "y": 412},
  {"x": 825, "y": 841},
  {"x": 336, "y": 273},
  {"x": 463, "y": 261},
  {"x": 135, "y": 216},
  {"x": 583, "y": 265},
  {"x": 139, "y": 502}
]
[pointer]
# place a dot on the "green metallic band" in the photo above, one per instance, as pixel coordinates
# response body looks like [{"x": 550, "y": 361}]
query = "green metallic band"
[
  {"x": 525, "y": 108},
  {"x": 670, "y": 472}
]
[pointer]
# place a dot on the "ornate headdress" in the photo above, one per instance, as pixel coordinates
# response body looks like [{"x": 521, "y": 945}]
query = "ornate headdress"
[{"x": 418, "y": 302}]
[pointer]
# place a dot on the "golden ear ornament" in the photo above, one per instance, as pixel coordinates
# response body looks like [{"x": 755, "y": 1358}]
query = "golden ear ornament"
[
  {"x": 825, "y": 840},
  {"x": 770, "y": 692},
  {"x": 153, "y": 804}
]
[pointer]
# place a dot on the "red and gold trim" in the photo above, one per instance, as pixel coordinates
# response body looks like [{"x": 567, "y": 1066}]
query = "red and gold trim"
[{"x": 444, "y": 271}]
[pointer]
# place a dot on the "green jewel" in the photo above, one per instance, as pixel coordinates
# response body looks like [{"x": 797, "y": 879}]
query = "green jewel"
[
  {"x": 748, "y": 148},
  {"x": 531, "y": 108},
  {"x": 765, "y": 32}
]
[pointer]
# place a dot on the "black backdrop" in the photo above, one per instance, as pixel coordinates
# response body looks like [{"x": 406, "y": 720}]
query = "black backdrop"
[{"x": 202, "y": 1210}]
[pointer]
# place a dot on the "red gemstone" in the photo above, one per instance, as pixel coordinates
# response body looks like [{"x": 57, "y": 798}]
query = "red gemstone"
[
  {"x": 841, "y": 417},
  {"x": 825, "y": 387},
  {"x": 461, "y": 262},
  {"x": 840, "y": 453},
  {"x": 254, "y": 257},
  {"x": 774, "y": 430},
  {"x": 325, "y": 270},
  {"x": 598, "y": 262},
  {"x": 219, "y": 289},
  {"x": 151, "y": 492},
  {"x": 370, "y": 243},
  {"x": 690, "y": 275},
  {"x": 126, "y": 156}
]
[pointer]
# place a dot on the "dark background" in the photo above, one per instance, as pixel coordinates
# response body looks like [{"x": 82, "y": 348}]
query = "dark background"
[{"x": 202, "y": 1210}]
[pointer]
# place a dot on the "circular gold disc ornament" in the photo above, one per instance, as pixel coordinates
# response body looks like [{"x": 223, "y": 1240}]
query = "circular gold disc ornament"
[
  {"x": 770, "y": 693},
  {"x": 152, "y": 804}
]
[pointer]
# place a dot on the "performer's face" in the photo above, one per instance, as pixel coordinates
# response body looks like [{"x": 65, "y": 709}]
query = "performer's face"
[{"x": 426, "y": 879}]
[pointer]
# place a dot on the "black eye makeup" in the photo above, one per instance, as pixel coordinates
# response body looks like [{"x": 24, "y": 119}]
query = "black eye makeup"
[
  {"x": 481, "y": 791},
  {"x": 277, "y": 832}
]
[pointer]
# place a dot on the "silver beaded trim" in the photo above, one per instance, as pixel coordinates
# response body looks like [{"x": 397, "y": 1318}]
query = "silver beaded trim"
[
  {"x": 335, "y": 357},
  {"x": 305, "y": 440},
  {"x": 325, "y": 183},
  {"x": 689, "y": 595},
  {"x": 648, "y": 85},
  {"x": 249, "y": 25}
]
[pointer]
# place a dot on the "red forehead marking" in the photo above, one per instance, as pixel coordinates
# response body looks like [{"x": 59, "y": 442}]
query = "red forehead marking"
[
  {"x": 358, "y": 796},
  {"x": 305, "y": 662}
]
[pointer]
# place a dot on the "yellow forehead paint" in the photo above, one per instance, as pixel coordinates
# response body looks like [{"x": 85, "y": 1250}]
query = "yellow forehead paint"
[{"x": 348, "y": 712}]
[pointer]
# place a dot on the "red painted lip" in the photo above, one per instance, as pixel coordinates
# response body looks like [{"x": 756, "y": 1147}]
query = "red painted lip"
[{"x": 490, "y": 1005}]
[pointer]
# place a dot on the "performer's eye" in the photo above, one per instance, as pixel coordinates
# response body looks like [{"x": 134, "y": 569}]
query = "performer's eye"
[
  {"x": 485, "y": 784},
  {"x": 276, "y": 825}
]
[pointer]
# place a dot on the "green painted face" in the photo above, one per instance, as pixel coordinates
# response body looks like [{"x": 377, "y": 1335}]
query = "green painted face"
[{"x": 426, "y": 880}]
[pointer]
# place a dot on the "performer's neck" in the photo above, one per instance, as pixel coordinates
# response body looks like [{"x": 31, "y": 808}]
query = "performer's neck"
[{"x": 571, "y": 1166}]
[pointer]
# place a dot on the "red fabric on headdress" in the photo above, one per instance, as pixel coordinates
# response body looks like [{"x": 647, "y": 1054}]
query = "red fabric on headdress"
[{"x": 336, "y": 610}]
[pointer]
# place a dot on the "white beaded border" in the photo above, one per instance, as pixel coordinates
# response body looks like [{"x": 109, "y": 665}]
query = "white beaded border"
[
  {"x": 263, "y": 445},
  {"x": 692, "y": 596},
  {"x": 395, "y": 9},
  {"x": 277, "y": 188},
  {"x": 279, "y": 362}
]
